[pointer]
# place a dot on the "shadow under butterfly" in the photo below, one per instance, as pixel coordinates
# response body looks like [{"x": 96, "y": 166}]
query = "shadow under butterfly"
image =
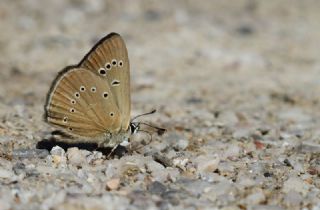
[{"x": 90, "y": 102}]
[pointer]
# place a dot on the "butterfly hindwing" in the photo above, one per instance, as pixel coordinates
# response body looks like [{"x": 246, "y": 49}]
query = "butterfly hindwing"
[{"x": 82, "y": 104}]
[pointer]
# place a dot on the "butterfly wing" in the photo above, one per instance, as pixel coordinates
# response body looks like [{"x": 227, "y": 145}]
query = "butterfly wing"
[
  {"x": 109, "y": 59},
  {"x": 82, "y": 103}
]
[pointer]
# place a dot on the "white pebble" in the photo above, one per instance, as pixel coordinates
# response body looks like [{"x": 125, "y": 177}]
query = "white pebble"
[
  {"x": 5, "y": 174},
  {"x": 182, "y": 144},
  {"x": 180, "y": 162},
  {"x": 56, "y": 150},
  {"x": 292, "y": 199},
  {"x": 255, "y": 198},
  {"x": 75, "y": 157},
  {"x": 295, "y": 184},
  {"x": 207, "y": 163},
  {"x": 113, "y": 184}
]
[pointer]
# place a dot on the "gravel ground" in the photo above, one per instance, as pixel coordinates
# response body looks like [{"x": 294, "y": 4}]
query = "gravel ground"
[{"x": 236, "y": 84}]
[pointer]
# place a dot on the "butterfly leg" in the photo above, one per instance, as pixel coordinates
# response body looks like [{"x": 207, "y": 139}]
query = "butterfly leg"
[{"x": 113, "y": 149}]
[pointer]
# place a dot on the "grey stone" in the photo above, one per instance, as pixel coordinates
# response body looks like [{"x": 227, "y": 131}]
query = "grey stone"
[
  {"x": 293, "y": 199},
  {"x": 157, "y": 188},
  {"x": 181, "y": 144},
  {"x": 30, "y": 153}
]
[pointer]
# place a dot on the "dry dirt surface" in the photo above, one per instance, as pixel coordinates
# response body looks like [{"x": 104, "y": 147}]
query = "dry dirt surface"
[{"x": 236, "y": 84}]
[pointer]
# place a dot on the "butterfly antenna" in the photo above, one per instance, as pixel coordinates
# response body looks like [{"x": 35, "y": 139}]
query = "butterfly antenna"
[
  {"x": 160, "y": 131},
  {"x": 148, "y": 113}
]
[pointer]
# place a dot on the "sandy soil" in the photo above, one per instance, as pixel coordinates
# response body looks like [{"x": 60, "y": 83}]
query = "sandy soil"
[{"x": 236, "y": 84}]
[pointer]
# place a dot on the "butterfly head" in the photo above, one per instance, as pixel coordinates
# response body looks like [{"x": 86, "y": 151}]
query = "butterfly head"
[{"x": 136, "y": 126}]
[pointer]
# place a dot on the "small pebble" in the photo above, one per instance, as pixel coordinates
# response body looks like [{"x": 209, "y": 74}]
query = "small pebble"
[
  {"x": 309, "y": 147},
  {"x": 157, "y": 188},
  {"x": 6, "y": 174},
  {"x": 180, "y": 162},
  {"x": 295, "y": 184},
  {"x": 292, "y": 199},
  {"x": 207, "y": 163},
  {"x": 113, "y": 184},
  {"x": 57, "y": 160},
  {"x": 182, "y": 144},
  {"x": 194, "y": 187},
  {"x": 257, "y": 197},
  {"x": 75, "y": 156},
  {"x": 58, "y": 151},
  {"x": 30, "y": 153},
  {"x": 227, "y": 118},
  {"x": 19, "y": 168},
  {"x": 233, "y": 151},
  {"x": 94, "y": 157}
]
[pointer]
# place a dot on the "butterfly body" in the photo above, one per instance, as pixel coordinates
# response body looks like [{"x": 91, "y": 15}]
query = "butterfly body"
[{"x": 91, "y": 101}]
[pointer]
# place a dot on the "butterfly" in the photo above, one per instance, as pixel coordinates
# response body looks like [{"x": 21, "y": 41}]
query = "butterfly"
[{"x": 91, "y": 101}]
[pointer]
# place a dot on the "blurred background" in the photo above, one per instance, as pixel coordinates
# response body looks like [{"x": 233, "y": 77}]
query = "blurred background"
[{"x": 186, "y": 56}]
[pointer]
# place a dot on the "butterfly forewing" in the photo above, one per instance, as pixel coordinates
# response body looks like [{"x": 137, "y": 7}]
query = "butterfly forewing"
[
  {"x": 109, "y": 59},
  {"x": 82, "y": 103}
]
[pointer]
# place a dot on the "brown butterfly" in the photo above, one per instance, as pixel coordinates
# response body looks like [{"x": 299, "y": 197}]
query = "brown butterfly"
[{"x": 91, "y": 101}]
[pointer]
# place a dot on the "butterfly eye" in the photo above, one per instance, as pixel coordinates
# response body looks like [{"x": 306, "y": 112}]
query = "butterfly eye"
[
  {"x": 82, "y": 88},
  {"x": 93, "y": 89},
  {"x": 105, "y": 94},
  {"x": 70, "y": 129},
  {"x": 114, "y": 62},
  {"x": 77, "y": 94},
  {"x": 102, "y": 71},
  {"x": 111, "y": 114},
  {"x": 120, "y": 63},
  {"x": 108, "y": 66}
]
